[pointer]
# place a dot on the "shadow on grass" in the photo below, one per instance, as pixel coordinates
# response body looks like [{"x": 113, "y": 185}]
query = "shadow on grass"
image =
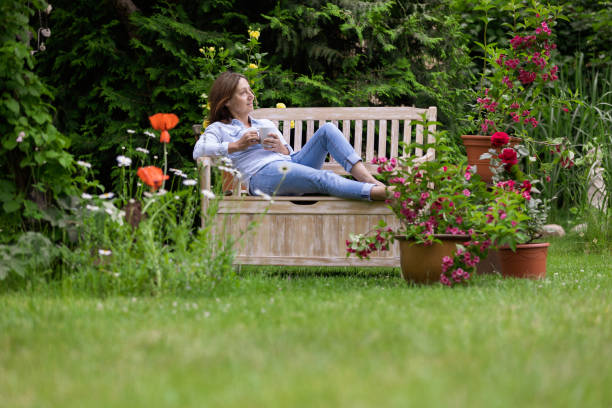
[{"x": 298, "y": 272}]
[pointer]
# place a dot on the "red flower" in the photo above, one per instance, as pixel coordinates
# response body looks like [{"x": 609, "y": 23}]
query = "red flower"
[
  {"x": 508, "y": 157},
  {"x": 164, "y": 122},
  {"x": 499, "y": 139},
  {"x": 152, "y": 176}
]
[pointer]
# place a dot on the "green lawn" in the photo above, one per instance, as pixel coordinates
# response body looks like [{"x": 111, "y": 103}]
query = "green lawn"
[{"x": 327, "y": 339}]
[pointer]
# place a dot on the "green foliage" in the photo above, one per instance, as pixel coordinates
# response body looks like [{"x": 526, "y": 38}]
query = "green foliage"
[
  {"x": 368, "y": 53},
  {"x": 35, "y": 167}
]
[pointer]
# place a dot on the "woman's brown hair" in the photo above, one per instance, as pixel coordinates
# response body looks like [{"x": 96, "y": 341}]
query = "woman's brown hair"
[{"x": 222, "y": 91}]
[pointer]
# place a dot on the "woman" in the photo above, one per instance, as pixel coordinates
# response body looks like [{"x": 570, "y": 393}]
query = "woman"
[{"x": 274, "y": 168}]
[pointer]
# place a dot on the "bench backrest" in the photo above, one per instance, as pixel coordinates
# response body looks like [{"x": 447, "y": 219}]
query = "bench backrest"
[{"x": 384, "y": 128}]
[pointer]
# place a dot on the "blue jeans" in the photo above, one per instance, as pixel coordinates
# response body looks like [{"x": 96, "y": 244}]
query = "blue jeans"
[{"x": 303, "y": 174}]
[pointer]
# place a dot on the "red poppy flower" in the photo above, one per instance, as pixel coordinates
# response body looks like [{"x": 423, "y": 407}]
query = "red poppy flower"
[
  {"x": 499, "y": 139},
  {"x": 164, "y": 122},
  {"x": 152, "y": 176},
  {"x": 508, "y": 157}
]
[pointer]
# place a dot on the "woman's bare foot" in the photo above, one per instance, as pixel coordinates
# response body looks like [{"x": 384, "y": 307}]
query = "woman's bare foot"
[
  {"x": 361, "y": 173},
  {"x": 381, "y": 192}
]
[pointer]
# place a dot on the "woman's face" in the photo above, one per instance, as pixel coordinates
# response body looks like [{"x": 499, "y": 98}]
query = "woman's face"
[{"x": 241, "y": 103}]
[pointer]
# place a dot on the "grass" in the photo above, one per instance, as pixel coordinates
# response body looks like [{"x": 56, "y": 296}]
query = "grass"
[{"x": 349, "y": 338}]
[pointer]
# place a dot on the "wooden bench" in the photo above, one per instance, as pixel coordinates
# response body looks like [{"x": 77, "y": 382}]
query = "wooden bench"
[{"x": 313, "y": 230}]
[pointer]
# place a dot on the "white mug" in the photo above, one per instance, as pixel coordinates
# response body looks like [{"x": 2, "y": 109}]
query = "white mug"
[{"x": 264, "y": 133}]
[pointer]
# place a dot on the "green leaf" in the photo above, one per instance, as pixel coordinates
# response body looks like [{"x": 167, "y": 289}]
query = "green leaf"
[
  {"x": 12, "y": 206},
  {"x": 12, "y": 105}
]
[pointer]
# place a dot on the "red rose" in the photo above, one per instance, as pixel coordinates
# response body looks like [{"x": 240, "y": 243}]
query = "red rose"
[
  {"x": 499, "y": 139},
  {"x": 508, "y": 157}
]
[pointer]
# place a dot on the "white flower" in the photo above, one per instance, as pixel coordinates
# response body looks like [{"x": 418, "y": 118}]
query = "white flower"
[
  {"x": 155, "y": 157},
  {"x": 161, "y": 192},
  {"x": 130, "y": 131},
  {"x": 208, "y": 194},
  {"x": 107, "y": 195},
  {"x": 104, "y": 252},
  {"x": 227, "y": 161},
  {"x": 142, "y": 150},
  {"x": 284, "y": 169},
  {"x": 109, "y": 211},
  {"x": 92, "y": 207},
  {"x": 86, "y": 196},
  {"x": 147, "y": 194},
  {"x": 20, "y": 137},
  {"x": 263, "y": 195},
  {"x": 150, "y": 134},
  {"x": 83, "y": 164},
  {"x": 124, "y": 161},
  {"x": 190, "y": 182}
]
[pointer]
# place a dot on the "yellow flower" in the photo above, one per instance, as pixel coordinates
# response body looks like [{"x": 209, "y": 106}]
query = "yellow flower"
[
  {"x": 202, "y": 50},
  {"x": 252, "y": 66},
  {"x": 211, "y": 49},
  {"x": 205, "y": 124},
  {"x": 254, "y": 34},
  {"x": 208, "y": 105},
  {"x": 292, "y": 124},
  {"x": 280, "y": 105}
]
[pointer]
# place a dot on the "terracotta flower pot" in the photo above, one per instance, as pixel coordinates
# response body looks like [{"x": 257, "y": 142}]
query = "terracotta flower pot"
[
  {"x": 475, "y": 146},
  {"x": 529, "y": 261},
  {"x": 423, "y": 264}
]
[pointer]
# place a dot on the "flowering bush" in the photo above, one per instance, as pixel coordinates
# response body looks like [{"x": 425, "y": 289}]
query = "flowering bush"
[
  {"x": 516, "y": 77},
  {"x": 515, "y": 90}
]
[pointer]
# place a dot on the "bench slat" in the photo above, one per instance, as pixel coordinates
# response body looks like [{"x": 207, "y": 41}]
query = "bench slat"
[
  {"x": 370, "y": 141},
  {"x": 297, "y": 140},
  {"x": 339, "y": 113},
  {"x": 394, "y": 137},
  {"x": 382, "y": 138},
  {"x": 357, "y": 140}
]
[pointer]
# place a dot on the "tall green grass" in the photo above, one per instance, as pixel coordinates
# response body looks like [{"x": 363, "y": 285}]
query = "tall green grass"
[{"x": 587, "y": 127}]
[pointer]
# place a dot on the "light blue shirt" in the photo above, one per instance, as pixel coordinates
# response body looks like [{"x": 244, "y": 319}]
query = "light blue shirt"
[{"x": 217, "y": 137}]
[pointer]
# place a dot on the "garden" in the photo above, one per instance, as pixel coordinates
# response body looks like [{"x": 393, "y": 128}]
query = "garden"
[{"x": 118, "y": 289}]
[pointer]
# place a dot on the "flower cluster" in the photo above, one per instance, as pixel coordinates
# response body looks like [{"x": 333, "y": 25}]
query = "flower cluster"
[
  {"x": 511, "y": 97},
  {"x": 431, "y": 199}
]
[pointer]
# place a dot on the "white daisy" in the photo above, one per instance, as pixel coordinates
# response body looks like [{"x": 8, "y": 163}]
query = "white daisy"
[
  {"x": 263, "y": 195},
  {"x": 208, "y": 194},
  {"x": 142, "y": 150},
  {"x": 86, "y": 196},
  {"x": 107, "y": 195},
  {"x": 147, "y": 194},
  {"x": 84, "y": 164},
  {"x": 150, "y": 134},
  {"x": 190, "y": 182},
  {"x": 104, "y": 252},
  {"x": 92, "y": 207},
  {"x": 130, "y": 131},
  {"x": 124, "y": 161}
]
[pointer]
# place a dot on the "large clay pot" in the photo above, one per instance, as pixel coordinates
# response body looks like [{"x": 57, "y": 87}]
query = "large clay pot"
[
  {"x": 529, "y": 261},
  {"x": 475, "y": 146},
  {"x": 423, "y": 264}
]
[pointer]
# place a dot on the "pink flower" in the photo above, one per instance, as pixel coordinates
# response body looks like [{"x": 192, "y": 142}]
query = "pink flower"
[
  {"x": 467, "y": 175},
  {"x": 466, "y": 192},
  {"x": 444, "y": 280}
]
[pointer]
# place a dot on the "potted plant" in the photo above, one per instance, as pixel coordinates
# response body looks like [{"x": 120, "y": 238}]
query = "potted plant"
[
  {"x": 515, "y": 84},
  {"x": 440, "y": 205}
]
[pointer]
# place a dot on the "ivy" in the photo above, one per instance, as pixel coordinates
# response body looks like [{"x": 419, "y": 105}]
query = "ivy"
[{"x": 35, "y": 166}]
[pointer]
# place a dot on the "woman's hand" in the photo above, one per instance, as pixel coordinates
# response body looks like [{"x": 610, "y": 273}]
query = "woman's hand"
[
  {"x": 248, "y": 139},
  {"x": 275, "y": 144}
]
